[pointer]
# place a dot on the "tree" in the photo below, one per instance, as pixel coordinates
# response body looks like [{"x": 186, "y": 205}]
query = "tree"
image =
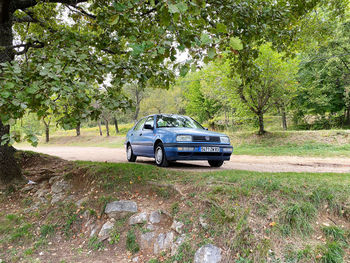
[
  {"x": 324, "y": 76},
  {"x": 117, "y": 36}
]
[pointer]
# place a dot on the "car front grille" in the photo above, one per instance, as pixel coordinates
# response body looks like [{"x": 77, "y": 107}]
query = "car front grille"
[{"x": 206, "y": 138}]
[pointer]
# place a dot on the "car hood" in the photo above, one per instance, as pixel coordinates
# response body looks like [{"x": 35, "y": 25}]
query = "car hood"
[{"x": 192, "y": 131}]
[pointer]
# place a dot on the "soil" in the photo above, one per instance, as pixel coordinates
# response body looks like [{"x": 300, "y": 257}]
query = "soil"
[{"x": 237, "y": 162}]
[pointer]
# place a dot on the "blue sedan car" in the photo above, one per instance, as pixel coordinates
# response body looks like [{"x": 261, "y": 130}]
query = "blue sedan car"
[{"x": 168, "y": 137}]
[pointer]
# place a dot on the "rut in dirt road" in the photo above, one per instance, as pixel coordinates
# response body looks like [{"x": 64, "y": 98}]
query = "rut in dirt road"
[{"x": 237, "y": 162}]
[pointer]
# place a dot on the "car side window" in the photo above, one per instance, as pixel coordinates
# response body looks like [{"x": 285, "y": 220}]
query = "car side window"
[
  {"x": 150, "y": 121},
  {"x": 139, "y": 124}
]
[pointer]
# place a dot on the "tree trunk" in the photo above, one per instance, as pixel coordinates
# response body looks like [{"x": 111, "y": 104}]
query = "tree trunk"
[
  {"x": 9, "y": 169},
  {"x": 347, "y": 116},
  {"x": 137, "y": 110},
  {"x": 78, "y": 129},
  {"x": 116, "y": 125},
  {"x": 99, "y": 127},
  {"x": 284, "y": 119},
  {"x": 261, "y": 124},
  {"x": 47, "y": 132},
  {"x": 107, "y": 127}
]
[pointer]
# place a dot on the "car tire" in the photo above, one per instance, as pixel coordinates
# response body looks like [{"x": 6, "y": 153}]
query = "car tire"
[
  {"x": 215, "y": 163},
  {"x": 159, "y": 156},
  {"x": 130, "y": 154}
]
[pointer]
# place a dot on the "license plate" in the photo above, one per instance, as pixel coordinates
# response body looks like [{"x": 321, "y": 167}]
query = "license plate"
[{"x": 210, "y": 149}]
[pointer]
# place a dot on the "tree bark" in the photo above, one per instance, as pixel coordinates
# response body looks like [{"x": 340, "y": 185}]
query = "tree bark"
[
  {"x": 347, "y": 116},
  {"x": 261, "y": 123},
  {"x": 107, "y": 127},
  {"x": 99, "y": 127},
  {"x": 10, "y": 171},
  {"x": 116, "y": 125},
  {"x": 47, "y": 131},
  {"x": 284, "y": 119},
  {"x": 78, "y": 129}
]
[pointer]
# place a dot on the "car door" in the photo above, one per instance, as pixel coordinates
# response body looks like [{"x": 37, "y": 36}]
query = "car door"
[
  {"x": 135, "y": 137},
  {"x": 146, "y": 137}
]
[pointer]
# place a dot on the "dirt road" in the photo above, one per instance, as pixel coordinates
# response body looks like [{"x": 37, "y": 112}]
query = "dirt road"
[{"x": 237, "y": 162}]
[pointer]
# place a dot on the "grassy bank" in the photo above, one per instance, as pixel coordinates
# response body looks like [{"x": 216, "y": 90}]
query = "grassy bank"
[{"x": 253, "y": 217}]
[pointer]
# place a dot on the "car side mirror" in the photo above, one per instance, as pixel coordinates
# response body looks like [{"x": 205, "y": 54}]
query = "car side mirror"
[
  {"x": 206, "y": 129},
  {"x": 148, "y": 127}
]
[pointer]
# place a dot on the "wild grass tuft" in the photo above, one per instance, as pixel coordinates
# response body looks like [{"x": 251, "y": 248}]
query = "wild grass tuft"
[
  {"x": 297, "y": 216},
  {"x": 131, "y": 243}
]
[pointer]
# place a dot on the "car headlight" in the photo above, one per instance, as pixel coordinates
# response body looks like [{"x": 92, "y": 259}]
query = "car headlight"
[
  {"x": 224, "y": 139},
  {"x": 184, "y": 138}
]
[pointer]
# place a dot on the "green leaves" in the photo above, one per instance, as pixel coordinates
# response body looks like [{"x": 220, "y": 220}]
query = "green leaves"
[
  {"x": 236, "y": 43},
  {"x": 221, "y": 28},
  {"x": 183, "y": 70},
  {"x": 205, "y": 39},
  {"x": 178, "y": 8}
]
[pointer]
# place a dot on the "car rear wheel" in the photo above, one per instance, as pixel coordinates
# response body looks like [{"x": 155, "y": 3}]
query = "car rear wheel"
[
  {"x": 159, "y": 156},
  {"x": 130, "y": 154},
  {"x": 215, "y": 163}
]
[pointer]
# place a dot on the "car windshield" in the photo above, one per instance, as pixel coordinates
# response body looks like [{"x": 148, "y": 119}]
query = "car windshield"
[{"x": 171, "y": 121}]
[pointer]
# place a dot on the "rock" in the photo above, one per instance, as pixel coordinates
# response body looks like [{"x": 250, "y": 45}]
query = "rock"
[
  {"x": 178, "y": 242},
  {"x": 105, "y": 230},
  {"x": 154, "y": 217},
  {"x": 80, "y": 202},
  {"x": 138, "y": 218},
  {"x": 208, "y": 254},
  {"x": 150, "y": 227},
  {"x": 94, "y": 230},
  {"x": 57, "y": 197},
  {"x": 203, "y": 223},
  {"x": 60, "y": 186},
  {"x": 146, "y": 240},
  {"x": 41, "y": 192},
  {"x": 28, "y": 187},
  {"x": 54, "y": 179},
  {"x": 119, "y": 209},
  {"x": 135, "y": 259},
  {"x": 163, "y": 242},
  {"x": 177, "y": 226}
]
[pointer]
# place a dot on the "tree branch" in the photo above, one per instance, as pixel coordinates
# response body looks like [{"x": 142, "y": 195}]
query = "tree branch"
[
  {"x": 80, "y": 10},
  {"x": 34, "y": 44},
  {"x": 24, "y": 4}
]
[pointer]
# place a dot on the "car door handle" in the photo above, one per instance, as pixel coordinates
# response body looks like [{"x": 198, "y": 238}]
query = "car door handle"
[{"x": 140, "y": 134}]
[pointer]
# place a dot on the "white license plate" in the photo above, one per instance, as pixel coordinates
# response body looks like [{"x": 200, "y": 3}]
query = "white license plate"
[{"x": 210, "y": 149}]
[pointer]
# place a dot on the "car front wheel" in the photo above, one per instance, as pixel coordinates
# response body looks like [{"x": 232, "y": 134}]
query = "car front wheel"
[
  {"x": 159, "y": 155},
  {"x": 130, "y": 154},
  {"x": 215, "y": 163}
]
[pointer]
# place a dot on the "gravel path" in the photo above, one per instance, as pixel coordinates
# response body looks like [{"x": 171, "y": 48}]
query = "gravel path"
[{"x": 237, "y": 162}]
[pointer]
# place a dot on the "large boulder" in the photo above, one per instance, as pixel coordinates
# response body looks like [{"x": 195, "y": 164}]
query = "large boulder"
[
  {"x": 119, "y": 209},
  {"x": 208, "y": 254}
]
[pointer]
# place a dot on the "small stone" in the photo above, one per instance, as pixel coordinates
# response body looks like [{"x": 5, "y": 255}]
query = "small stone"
[
  {"x": 146, "y": 240},
  {"x": 208, "y": 254},
  {"x": 177, "y": 226},
  {"x": 135, "y": 259},
  {"x": 138, "y": 218},
  {"x": 203, "y": 223},
  {"x": 105, "y": 230},
  {"x": 163, "y": 242},
  {"x": 41, "y": 253},
  {"x": 80, "y": 202},
  {"x": 150, "y": 227},
  {"x": 41, "y": 193},
  {"x": 154, "y": 217},
  {"x": 119, "y": 209}
]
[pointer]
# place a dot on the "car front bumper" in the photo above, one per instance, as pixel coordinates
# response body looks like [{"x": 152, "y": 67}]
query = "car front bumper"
[{"x": 193, "y": 151}]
